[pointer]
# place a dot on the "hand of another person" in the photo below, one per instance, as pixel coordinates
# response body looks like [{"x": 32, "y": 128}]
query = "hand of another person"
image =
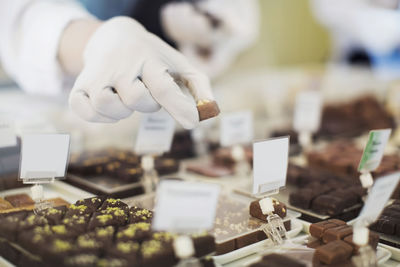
[{"x": 211, "y": 33}]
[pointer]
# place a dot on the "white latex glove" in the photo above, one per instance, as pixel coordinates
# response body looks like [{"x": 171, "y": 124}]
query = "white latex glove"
[
  {"x": 211, "y": 33},
  {"x": 127, "y": 68},
  {"x": 374, "y": 27}
]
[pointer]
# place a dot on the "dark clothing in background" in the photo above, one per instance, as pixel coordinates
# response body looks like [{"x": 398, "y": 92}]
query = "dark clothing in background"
[{"x": 147, "y": 12}]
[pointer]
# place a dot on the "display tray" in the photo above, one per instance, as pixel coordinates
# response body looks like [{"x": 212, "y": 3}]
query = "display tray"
[
  {"x": 393, "y": 241},
  {"x": 297, "y": 227},
  {"x": 306, "y": 214},
  {"x": 105, "y": 185},
  {"x": 234, "y": 227},
  {"x": 395, "y": 251},
  {"x": 382, "y": 253},
  {"x": 53, "y": 190}
]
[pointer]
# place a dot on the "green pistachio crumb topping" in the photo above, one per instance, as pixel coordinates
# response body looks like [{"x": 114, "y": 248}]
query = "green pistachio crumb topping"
[
  {"x": 59, "y": 229},
  {"x": 149, "y": 248},
  {"x": 61, "y": 246},
  {"x": 104, "y": 218},
  {"x": 128, "y": 247}
]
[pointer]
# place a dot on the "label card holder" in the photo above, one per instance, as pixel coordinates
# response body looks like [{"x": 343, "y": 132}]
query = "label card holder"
[
  {"x": 270, "y": 162},
  {"x": 44, "y": 157},
  {"x": 307, "y": 114},
  {"x": 378, "y": 197},
  {"x": 236, "y": 128},
  {"x": 185, "y": 207},
  {"x": 155, "y": 133},
  {"x": 8, "y": 137},
  {"x": 373, "y": 151}
]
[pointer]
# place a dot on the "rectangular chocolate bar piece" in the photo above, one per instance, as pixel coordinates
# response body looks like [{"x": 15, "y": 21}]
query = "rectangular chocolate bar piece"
[
  {"x": 328, "y": 204},
  {"x": 20, "y": 200},
  {"x": 318, "y": 229},
  {"x": 278, "y": 260},
  {"x": 337, "y": 233},
  {"x": 333, "y": 252},
  {"x": 372, "y": 241}
]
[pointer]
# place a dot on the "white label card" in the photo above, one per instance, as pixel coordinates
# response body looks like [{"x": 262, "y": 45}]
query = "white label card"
[
  {"x": 307, "y": 113},
  {"x": 44, "y": 156},
  {"x": 185, "y": 207},
  {"x": 377, "y": 198},
  {"x": 270, "y": 162},
  {"x": 8, "y": 137},
  {"x": 374, "y": 149},
  {"x": 236, "y": 128},
  {"x": 155, "y": 133}
]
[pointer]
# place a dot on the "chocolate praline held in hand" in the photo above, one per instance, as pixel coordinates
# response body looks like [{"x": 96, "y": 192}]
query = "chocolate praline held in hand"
[{"x": 207, "y": 109}]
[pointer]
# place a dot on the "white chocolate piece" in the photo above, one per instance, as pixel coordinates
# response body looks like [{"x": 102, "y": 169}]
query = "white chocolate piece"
[
  {"x": 266, "y": 205},
  {"x": 147, "y": 163}
]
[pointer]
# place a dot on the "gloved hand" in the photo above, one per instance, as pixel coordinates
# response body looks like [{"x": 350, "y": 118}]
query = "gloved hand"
[
  {"x": 211, "y": 33},
  {"x": 127, "y": 68}
]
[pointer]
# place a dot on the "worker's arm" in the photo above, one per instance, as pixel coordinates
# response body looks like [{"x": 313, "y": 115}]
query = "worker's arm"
[{"x": 30, "y": 33}]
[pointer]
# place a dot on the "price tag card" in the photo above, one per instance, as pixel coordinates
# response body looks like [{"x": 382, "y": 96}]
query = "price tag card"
[
  {"x": 374, "y": 149},
  {"x": 307, "y": 113},
  {"x": 377, "y": 198},
  {"x": 155, "y": 133},
  {"x": 236, "y": 128},
  {"x": 8, "y": 137},
  {"x": 185, "y": 207},
  {"x": 44, "y": 157},
  {"x": 270, "y": 162}
]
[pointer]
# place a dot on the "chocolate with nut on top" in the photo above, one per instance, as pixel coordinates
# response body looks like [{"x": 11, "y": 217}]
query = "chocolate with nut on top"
[{"x": 279, "y": 208}]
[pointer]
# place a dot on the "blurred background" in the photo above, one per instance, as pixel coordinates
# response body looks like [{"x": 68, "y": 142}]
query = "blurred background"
[
  {"x": 289, "y": 35},
  {"x": 294, "y": 51}
]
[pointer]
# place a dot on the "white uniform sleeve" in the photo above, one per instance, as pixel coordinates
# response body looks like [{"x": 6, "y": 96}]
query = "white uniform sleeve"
[
  {"x": 375, "y": 28},
  {"x": 30, "y": 31}
]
